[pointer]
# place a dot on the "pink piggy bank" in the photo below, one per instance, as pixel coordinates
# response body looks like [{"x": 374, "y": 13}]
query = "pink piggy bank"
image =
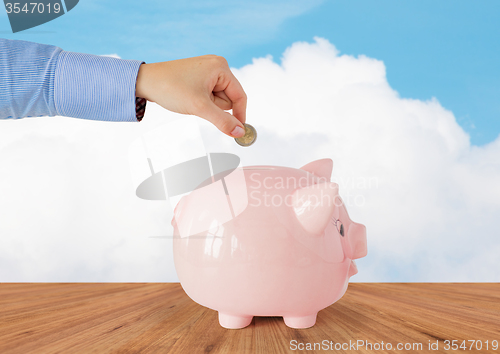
[{"x": 289, "y": 253}]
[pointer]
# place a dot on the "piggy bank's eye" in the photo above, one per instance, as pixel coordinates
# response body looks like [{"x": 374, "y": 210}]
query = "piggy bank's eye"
[{"x": 340, "y": 227}]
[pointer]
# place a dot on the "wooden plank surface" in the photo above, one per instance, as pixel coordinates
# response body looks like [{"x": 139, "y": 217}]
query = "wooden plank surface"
[{"x": 160, "y": 318}]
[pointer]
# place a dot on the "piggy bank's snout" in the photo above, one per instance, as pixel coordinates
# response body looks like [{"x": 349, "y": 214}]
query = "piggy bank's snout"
[{"x": 357, "y": 241}]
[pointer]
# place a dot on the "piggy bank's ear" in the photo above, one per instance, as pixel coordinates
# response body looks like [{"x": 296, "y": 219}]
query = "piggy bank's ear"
[
  {"x": 322, "y": 168},
  {"x": 314, "y": 205}
]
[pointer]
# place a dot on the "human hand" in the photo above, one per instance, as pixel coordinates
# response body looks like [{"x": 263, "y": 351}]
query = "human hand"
[{"x": 202, "y": 86}]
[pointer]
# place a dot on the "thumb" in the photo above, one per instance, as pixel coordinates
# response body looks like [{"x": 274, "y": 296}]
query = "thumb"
[{"x": 225, "y": 122}]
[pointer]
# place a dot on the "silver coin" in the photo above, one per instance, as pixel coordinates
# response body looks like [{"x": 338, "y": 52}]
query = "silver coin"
[{"x": 249, "y": 137}]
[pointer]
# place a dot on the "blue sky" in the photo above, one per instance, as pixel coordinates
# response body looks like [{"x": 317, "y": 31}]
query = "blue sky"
[{"x": 444, "y": 49}]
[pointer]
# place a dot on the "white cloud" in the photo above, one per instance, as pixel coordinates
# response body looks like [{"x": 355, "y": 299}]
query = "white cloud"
[
  {"x": 111, "y": 56},
  {"x": 68, "y": 210},
  {"x": 405, "y": 167}
]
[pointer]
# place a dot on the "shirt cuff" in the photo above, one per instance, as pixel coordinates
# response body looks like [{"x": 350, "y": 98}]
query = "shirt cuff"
[
  {"x": 140, "y": 108},
  {"x": 96, "y": 87}
]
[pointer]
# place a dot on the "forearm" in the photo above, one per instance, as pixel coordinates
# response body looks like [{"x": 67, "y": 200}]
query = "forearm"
[
  {"x": 27, "y": 79},
  {"x": 95, "y": 87},
  {"x": 42, "y": 80}
]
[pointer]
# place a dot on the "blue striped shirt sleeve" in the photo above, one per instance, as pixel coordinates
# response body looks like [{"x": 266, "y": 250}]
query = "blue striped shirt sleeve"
[{"x": 43, "y": 80}]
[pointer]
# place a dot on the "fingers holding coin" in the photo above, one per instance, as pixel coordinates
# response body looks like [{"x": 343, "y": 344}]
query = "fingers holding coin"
[{"x": 249, "y": 137}]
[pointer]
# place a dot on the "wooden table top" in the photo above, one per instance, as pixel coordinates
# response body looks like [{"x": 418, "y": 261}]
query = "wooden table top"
[{"x": 160, "y": 318}]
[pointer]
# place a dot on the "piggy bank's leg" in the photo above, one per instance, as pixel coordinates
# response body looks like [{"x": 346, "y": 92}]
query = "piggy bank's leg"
[
  {"x": 300, "y": 322},
  {"x": 234, "y": 322}
]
